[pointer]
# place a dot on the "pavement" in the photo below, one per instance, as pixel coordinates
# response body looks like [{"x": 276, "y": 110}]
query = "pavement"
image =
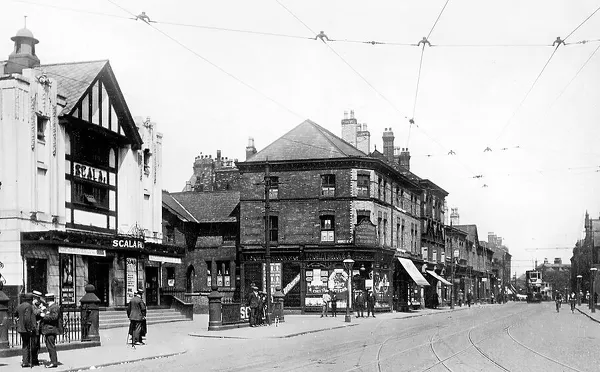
[
  {"x": 164, "y": 340},
  {"x": 585, "y": 310}
]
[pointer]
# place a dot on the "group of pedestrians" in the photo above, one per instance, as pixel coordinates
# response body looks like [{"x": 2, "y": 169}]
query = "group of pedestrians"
[
  {"x": 38, "y": 315},
  {"x": 257, "y": 302},
  {"x": 361, "y": 301},
  {"x": 329, "y": 300}
]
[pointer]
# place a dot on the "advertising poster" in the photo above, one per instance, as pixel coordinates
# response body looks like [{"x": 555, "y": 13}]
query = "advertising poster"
[
  {"x": 275, "y": 276},
  {"x": 131, "y": 278},
  {"x": 67, "y": 279}
]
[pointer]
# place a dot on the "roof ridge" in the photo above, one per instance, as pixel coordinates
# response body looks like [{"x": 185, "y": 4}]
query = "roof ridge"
[
  {"x": 72, "y": 63},
  {"x": 325, "y": 130},
  {"x": 185, "y": 209}
]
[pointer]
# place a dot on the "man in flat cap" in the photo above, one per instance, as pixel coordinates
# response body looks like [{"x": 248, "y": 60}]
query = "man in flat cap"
[
  {"x": 26, "y": 327},
  {"x": 51, "y": 327},
  {"x": 136, "y": 312},
  {"x": 253, "y": 302}
]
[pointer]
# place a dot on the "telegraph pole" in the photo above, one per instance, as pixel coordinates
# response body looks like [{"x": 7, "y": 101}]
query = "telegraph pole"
[{"x": 267, "y": 241}]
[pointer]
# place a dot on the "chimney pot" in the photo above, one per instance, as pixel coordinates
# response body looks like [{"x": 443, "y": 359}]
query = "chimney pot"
[{"x": 345, "y": 114}]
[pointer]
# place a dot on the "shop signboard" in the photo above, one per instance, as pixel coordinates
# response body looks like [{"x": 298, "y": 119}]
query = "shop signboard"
[
  {"x": 131, "y": 278},
  {"x": 365, "y": 234}
]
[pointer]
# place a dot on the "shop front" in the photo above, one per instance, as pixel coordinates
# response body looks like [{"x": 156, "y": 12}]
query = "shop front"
[{"x": 408, "y": 284}]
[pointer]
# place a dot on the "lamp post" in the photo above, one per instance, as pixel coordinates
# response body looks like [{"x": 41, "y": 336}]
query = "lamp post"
[
  {"x": 578, "y": 290},
  {"x": 348, "y": 263},
  {"x": 592, "y": 291}
]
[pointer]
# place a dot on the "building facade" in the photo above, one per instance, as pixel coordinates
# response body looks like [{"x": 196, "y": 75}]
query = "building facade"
[{"x": 80, "y": 198}]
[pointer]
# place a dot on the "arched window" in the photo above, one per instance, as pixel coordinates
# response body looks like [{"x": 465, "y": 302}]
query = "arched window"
[{"x": 189, "y": 279}]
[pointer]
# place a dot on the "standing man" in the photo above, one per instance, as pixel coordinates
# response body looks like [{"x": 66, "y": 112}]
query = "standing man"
[
  {"x": 136, "y": 312},
  {"x": 371, "y": 303},
  {"x": 51, "y": 327},
  {"x": 253, "y": 304},
  {"x": 333, "y": 304},
  {"x": 360, "y": 304},
  {"x": 573, "y": 301},
  {"x": 26, "y": 327},
  {"x": 469, "y": 298},
  {"x": 39, "y": 306},
  {"x": 326, "y": 301}
]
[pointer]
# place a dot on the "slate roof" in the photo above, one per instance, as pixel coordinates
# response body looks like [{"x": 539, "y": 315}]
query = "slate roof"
[
  {"x": 73, "y": 79},
  {"x": 209, "y": 207},
  {"x": 176, "y": 208},
  {"x": 471, "y": 231},
  {"x": 307, "y": 141}
]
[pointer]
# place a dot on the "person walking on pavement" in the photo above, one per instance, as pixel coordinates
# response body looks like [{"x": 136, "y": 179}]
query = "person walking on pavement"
[
  {"x": 136, "y": 312},
  {"x": 252, "y": 302},
  {"x": 51, "y": 327},
  {"x": 260, "y": 314},
  {"x": 469, "y": 298},
  {"x": 371, "y": 303},
  {"x": 557, "y": 299},
  {"x": 572, "y": 300},
  {"x": 333, "y": 304},
  {"x": 26, "y": 327},
  {"x": 326, "y": 301},
  {"x": 360, "y": 305}
]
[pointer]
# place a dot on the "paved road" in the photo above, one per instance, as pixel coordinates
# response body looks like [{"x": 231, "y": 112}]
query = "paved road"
[{"x": 509, "y": 337}]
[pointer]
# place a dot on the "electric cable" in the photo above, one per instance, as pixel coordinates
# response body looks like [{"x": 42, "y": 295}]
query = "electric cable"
[
  {"x": 70, "y": 9},
  {"x": 214, "y": 65}
]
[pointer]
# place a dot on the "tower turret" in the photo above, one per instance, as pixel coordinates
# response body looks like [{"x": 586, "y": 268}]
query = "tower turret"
[{"x": 23, "y": 55}]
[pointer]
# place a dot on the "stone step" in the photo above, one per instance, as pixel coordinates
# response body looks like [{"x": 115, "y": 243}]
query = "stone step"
[
  {"x": 118, "y": 318},
  {"x": 148, "y": 322}
]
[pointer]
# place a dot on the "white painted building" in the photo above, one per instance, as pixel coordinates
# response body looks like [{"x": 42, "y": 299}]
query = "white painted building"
[{"x": 80, "y": 180}]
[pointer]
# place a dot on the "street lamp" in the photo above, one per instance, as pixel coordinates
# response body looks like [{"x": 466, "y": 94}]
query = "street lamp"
[
  {"x": 348, "y": 263},
  {"x": 579, "y": 290},
  {"x": 592, "y": 297}
]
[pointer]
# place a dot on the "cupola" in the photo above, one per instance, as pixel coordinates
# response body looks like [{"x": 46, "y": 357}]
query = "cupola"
[{"x": 23, "y": 55}]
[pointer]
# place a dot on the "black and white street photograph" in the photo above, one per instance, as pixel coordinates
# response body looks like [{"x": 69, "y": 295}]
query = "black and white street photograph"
[{"x": 280, "y": 185}]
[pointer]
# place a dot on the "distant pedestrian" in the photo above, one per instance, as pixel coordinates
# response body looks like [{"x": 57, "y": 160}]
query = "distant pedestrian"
[
  {"x": 253, "y": 304},
  {"x": 360, "y": 304},
  {"x": 557, "y": 299},
  {"x": 26, "y": 327},
  {"x": 326, "y": 301},
  {"x": 572, "y": 301},
  {"x": 136, "y": 312},
  {"x": 51, "y": 327},
  {"x": 469, "y": 299},
  {"x": 334, "y": 304},
  {"x": 371, "y": 303},
  {"x": 260, "y": 314}
]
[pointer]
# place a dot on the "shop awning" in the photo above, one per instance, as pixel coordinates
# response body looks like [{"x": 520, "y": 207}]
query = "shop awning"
[
  {"x": 411, "y": 269},
  {"x": 444, "y": 281},
  {"x": 509, "y": 291}
]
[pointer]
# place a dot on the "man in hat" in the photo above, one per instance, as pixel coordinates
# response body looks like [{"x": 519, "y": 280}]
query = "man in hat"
[
  {"x": 253, "y": 302},
  {"x": 39, "y": 306},
  {"x": 26, "y": 327},
  {"x": 51, "y": 327},
  {"x": 136, "y": 312}
]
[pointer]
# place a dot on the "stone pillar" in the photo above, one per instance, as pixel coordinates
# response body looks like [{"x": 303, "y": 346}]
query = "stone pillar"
[
  {"x": 90, "y": 316},
  {"x": 215, "y": 318},
  {"x": 278, "y": 302},
  {"x": 3, "y": 320}
]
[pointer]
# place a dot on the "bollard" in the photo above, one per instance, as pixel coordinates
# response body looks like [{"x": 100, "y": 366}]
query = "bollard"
[
  {"x": 278, "y": 300},
  {"x": 215, "y": 317},
  {"x": 90, "y": 316},
  {"x": 4, "y": 320}
]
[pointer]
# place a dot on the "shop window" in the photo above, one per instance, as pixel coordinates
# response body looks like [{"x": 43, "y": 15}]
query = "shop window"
[
  {"x": 42, "y": 123},
  {"x": 327, "y": 229},
  {"x": 171, "y": 276},
  {"x": 273, "y": 187},
  {"x": 362, "y": 185},
  {"x": 273, "y": 228},
  {"x": 328, "y": 185}
]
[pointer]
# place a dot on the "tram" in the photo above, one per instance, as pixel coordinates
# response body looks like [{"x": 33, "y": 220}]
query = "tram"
[{"x": 534, "y": 285}]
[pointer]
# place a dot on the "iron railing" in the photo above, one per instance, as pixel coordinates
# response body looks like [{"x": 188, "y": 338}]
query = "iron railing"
[{"x": 72, "y": 326}]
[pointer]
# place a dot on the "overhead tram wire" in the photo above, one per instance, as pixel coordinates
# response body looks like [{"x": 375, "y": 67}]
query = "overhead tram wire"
[
  {"x": 345, "y": 62},
  {"x": 214, "y": 64},
  {"x": 563, "y": 42},
  {"x": 70, "y": 9}
]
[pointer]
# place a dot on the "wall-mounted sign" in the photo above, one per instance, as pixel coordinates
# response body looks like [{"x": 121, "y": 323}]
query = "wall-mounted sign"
[
  {"x": 174, "y": 260},
  {"x": 82, "y": 251},
  {"x": 128, "y": 243},
  {"x": 90, "y": 173},
  {"x": 365, "y": 234}
]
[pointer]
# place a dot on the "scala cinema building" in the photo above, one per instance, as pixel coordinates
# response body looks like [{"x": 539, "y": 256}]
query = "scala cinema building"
[{"x": 80, "y": 191}]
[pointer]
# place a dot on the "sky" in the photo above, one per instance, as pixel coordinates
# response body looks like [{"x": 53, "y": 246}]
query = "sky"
[{"x": 485, "y": 82}]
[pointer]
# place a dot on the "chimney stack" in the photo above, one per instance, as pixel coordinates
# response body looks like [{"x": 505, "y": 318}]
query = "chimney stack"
[
  {"x": 250, "y": 149},
  {"x": 454, "y": 216},
  {"x": 388, "y": 144},
  {"x": 404, "y": 159}
]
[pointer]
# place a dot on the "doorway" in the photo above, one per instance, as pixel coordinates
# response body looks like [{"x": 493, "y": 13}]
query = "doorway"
[
  {"x": 152, "y": 286},
  {"x": 37, "y": 279},
  {"x": 98, "y": 274}
]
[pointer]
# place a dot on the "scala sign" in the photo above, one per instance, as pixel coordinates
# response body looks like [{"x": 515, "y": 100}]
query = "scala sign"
[
  {"x": 128, "y": 243},
  {"x": 89, "y": 173}
]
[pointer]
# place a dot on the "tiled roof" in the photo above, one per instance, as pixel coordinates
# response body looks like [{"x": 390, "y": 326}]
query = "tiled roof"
[
  {"x": 471, "y": 231},
  {"x": 176, "y": 208},
  {"x": 209, "y": 207},
  {"x": 307, "y": 141},
  {"x": 73, "y": 79}
]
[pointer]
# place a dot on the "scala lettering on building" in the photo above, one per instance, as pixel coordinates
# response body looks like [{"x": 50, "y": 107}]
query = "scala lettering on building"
[
  {"x": 128, "y": 243},
  {"x": 90, "y": 173}
]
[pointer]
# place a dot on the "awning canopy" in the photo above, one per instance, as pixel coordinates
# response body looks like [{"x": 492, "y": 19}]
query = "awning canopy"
[
  {"x": 411, "y": 269},
  {"x": 509, "y": 291},
  {"x": 432, "y": 273}
]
